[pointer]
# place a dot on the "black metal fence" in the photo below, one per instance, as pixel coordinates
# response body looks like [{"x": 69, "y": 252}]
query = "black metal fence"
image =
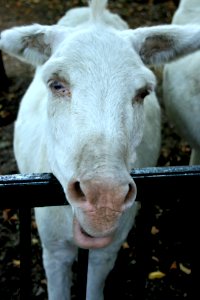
[{"x": 155, "y": 186}]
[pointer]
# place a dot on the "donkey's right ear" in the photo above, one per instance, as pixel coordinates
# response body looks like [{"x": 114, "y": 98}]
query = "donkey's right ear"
[
  {"x": 164, "y": 43},
  {"x": 32, "y": 44}
]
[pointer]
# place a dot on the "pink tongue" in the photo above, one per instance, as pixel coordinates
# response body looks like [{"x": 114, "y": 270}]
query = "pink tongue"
[{"x": 83, "y": 240}]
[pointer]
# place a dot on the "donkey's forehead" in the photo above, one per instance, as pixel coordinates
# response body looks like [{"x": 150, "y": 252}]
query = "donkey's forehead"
[
  {"x": 97, "y": 50},
  {"x": 93, "y": 42}
]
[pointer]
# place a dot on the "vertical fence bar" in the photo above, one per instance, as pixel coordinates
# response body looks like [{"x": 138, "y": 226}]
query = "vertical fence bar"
[
  {"x": 25, "y": 253},
  {"x": 4, "y": 81},
  {"x": 83, "y": 255},
  {"x": 143, "y": 249}
]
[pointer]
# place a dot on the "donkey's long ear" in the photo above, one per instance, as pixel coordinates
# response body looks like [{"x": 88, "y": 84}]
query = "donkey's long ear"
[
  {"x": 32, "y": 44},
  {"x": 161, "y": 44}
]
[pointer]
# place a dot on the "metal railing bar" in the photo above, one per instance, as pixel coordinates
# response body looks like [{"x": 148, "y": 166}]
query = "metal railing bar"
[
  {"x": 30, "y": 190},
  {"x": 171, "y": 171},
  {"x": 48, "y": 178},
  {"x": 37, "y": 190}
]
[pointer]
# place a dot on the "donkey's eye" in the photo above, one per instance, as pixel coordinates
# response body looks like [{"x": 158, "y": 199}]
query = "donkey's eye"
[
  {"x": 141, "y": 94},
  {"x": 60, "y": 88}
]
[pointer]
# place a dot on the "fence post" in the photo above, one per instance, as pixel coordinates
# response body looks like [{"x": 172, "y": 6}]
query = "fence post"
[
  {"x": 143, "y": 248},
  {"x": 25, "y": 253},
  {"x": 82, "y": 273},
  {"x": 4, "y": 81}
]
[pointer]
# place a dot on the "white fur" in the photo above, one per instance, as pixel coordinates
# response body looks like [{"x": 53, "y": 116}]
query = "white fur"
[
  {"x": 83, "y": 119},
  {"x": 181, "y": 85},
  {"x": 79, "y": 16}
]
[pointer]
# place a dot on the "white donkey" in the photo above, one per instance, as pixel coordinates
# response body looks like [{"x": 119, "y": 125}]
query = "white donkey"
[
  {"x": 181, "y": 85},
  {"x": 90, "y": 116}
]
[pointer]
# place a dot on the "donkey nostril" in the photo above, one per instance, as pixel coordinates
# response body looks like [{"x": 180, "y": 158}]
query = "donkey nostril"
[
  {"x": 77, "y": 189},
  {"x": 130, "y": 196}
]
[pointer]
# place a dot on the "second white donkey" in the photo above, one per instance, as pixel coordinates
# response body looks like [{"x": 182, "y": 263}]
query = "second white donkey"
[{"x": 181, "y": 85}]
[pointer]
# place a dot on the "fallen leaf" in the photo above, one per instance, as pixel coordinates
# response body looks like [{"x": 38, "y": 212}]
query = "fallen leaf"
[
  {"x": 44, "y": 281},
  {"x": 35, "y": 241},
  {"x": 173, "y": 265},
  {"x": 33, "y": 225},
  {"x": 156, "y": 275},
  {"x": 185, "y": 269},
  {"x": 155, "y": 258},
  {"x": 154, "y": 230},
  {"x": 125, "y": 245},
  {"x": 6, "y": 214},
  {"x": 14, "y": 217},
  {"x": 16, "y": 263}
]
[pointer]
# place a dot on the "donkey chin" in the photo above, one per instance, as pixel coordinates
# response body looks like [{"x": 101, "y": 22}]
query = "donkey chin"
[{"x": 95, "y": 229}]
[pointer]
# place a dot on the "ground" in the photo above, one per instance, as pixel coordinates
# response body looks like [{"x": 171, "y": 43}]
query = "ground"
[{"x": 173, "y": 281}]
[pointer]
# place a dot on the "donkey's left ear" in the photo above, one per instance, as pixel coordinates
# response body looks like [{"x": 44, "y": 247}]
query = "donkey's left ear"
[
  {"x": 164, "y": 43},
  {"x": 32, "y": 44}
]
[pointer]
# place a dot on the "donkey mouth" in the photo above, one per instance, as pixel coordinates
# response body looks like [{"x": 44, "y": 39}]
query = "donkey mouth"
[
  {"x": 85, "y": 233},
  {"x": 87, "y": 241}
]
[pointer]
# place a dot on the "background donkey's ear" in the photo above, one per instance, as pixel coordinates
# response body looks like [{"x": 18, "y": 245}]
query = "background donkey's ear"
[
  {"x": 32, "y": 44},
  {"x": 161, "y": 44}
]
